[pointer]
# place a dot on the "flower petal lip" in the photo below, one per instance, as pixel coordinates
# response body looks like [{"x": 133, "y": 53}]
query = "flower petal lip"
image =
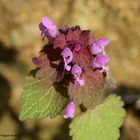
[
  {"x": 76, "y": 72},
  {"x": 43, "y": 30},
  {"x": 96, "y": 49},
  {"x": 80, "y": 81},
  {"x": 98, "y": 46},
  {"x": 99, "y": 61},
  {"x": 67, "y": 67},
  {"x": 67, "y": 55},
  {"x": 104, "y": 69},
  {"x": 42, "y": 27},
  {"x": 69, "y": 110},
  {"x": 102, "y": 59}
]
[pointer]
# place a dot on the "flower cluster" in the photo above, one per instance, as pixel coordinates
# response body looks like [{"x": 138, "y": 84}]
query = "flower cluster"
[
  {"x": 76, "y": 53},
  {"x": 100, "y": 58}
]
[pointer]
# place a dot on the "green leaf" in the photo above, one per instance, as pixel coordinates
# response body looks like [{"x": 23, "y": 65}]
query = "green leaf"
[
  {"x": 40, "y": 98},
  {"x": 102, "y": 123}
]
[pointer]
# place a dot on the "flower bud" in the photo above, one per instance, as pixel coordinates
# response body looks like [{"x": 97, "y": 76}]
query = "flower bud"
[{"x": 69, "y": 110}]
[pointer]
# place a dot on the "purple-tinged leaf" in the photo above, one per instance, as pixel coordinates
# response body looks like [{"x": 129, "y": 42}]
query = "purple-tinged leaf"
[
  {"x": 48, "y": 61},
  {"x": 73, "y": 36},
  {"x": 91, "y": 93},
  {"x": 83, "y": 57},
  {"x": 60, "y": 41}
]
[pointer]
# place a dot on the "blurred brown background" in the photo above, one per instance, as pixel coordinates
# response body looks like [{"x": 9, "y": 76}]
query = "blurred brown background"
[{"x": 118, "y": 20}]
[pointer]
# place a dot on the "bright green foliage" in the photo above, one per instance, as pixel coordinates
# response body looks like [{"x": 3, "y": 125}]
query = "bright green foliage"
[
  {"x": 102, "y": 123},
  {"x": 40, "y": 99}
]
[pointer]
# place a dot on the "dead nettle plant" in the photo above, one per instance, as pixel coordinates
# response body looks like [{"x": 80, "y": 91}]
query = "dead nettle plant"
[{"x": 72, "y": 74}]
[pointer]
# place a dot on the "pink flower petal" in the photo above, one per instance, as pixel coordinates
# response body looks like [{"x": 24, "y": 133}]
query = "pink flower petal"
[
  {"x": 76, "y": 71},
  {"x": 48, "y": 23},
  {"x": 102, "y": 42},
  {"x": 69, "y": 110},
  {"x": 98, "y": 46}
]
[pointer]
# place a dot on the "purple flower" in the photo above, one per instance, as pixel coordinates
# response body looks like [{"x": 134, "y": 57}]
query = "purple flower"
[
  {"x": 69, "y": 110},
  {"x": 48, "y": 27},
  {"x": 35, "y": 60},
  {"x": 99, "y": 62},
  {"x": 77, "y": 62},
  {"x": 77, "y": 47},
  {"x": 43, "y": 30},
  {"x": 99, "y": 45},
  {"x": 67, "y": 57},
  {"x": 104, "y": 69},
  {"x": 76, "y": 71}
]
